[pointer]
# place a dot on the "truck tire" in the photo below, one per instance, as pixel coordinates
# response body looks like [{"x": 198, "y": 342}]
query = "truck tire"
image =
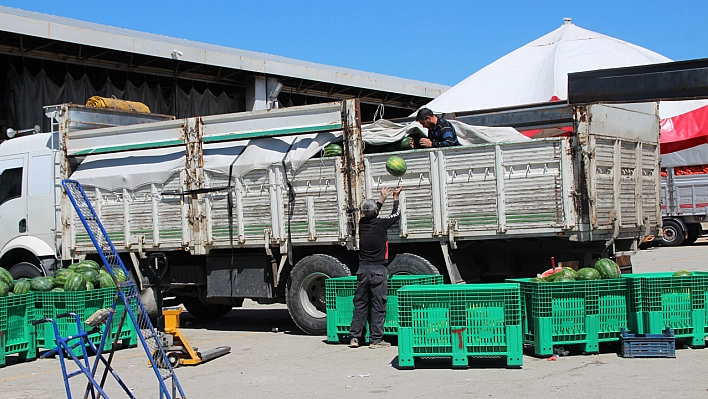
[
  {"x": 411, "y": 264},
  {"x": 694, "y": 231},
  {"x": 25, "y": 270},
  {"x": 200, "y": 310},
  {"x": 305, "y": 292},
  {"x": 673, "y": 233}
]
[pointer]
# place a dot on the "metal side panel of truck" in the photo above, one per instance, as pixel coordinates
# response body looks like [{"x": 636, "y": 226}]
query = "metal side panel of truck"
[{"x": 532, "y": 188}]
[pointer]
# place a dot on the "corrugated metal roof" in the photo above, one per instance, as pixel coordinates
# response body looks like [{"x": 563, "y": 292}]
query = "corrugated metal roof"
[{"x": 92, "y": 34}]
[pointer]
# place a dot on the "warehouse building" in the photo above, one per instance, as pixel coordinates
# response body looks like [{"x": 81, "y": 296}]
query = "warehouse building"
[{"x": 46, "y": 60}]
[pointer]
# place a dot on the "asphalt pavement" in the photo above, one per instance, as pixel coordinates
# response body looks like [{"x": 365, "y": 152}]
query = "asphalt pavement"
[{"x": 290, "y": 364}]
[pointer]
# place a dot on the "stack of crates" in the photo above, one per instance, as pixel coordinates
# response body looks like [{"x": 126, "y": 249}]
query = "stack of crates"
[
  {"x": 340, "y": 302},
  {"x": 660, "y": 300},
  {"x": 460, "y": 321},
  {"x": 17, "y": 335},
  {"x": 573, "y": 313}
]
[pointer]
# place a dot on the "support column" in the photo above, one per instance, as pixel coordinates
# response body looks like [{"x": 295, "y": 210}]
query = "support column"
[{"x": 262, "y": 93}]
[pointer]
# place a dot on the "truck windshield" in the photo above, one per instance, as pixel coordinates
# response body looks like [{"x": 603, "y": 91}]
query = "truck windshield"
[{"x": 10, "y": 184}]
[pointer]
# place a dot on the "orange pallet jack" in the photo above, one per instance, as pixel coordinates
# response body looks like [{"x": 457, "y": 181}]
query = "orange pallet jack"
[
  {"x": 176, "y": 346},
  {"x": 177, "y": 349}
]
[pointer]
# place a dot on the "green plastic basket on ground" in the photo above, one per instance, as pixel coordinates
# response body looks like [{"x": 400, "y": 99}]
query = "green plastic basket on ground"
[
  {"x": 459, "y": 322},
  {"x": 83, "y": 303},
  {"x": 660, "y": 300},
  {"x": 17, "y": 335},
  {"x": 573, "y": 313},
  {"x": 340, "y": 302}
]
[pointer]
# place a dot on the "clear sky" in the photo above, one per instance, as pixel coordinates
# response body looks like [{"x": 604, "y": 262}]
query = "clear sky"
[{"x": 435, "y": 41}]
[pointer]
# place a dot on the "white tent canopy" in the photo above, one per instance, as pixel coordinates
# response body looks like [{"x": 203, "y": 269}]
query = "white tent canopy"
[{"x": 538, "y": 72}]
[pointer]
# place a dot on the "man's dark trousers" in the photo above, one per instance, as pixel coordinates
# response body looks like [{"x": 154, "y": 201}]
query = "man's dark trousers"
[{"x": 371, "y": 287}]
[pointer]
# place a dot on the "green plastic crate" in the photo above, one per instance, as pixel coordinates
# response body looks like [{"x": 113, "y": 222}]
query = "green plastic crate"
[
  {"x": 460, "y": 321},
  {"x": 340, "y": 302},
  {"x": 83, "y": 303},
  {"x": 17, "y": 335},
  {"x": 127, "y": 335},
  {"x": 573, "y": 313},
  {"x": 660, "y": 300}
]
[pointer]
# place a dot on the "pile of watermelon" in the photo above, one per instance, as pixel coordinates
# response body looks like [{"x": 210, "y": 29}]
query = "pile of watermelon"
[
  {"x": 603, "y": 269},
  {"x": 83, "y": 276}
]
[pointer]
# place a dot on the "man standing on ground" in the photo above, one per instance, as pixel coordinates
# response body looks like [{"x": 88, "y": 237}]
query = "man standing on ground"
[
  {"x": 371, "y": 276},
  {"x": 441, "y": 133}
]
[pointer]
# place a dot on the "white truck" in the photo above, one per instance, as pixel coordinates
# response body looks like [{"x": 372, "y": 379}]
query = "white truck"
[{"x": 242, "y": 207}]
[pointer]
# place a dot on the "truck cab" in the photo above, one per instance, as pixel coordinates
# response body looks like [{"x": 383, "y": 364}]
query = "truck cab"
[{"x": 29, "y": 240}]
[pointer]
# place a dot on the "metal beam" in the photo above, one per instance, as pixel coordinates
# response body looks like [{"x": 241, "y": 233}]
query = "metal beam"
[
  {"x": 683, "y": 80},
  {"x": 536, "y": 116}
]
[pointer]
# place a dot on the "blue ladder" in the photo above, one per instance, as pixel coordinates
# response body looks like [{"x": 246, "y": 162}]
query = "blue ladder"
[{"x": 149, "y": 337}]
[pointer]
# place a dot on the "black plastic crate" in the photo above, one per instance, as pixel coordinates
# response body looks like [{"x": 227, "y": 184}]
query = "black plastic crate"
[{"x": 648, "y": 345}]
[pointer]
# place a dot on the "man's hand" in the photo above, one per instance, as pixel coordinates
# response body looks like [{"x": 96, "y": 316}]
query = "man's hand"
[
  {"x": 411, "y": 143},
  {"x": 385, "y": 192},
  {"x": 425, "y": 142},
  {"x": 396, "y": 192}
]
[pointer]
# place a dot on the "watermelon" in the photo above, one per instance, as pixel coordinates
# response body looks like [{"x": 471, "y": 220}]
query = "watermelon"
[
  {"x": 406, "y": 143},
  {"x": 396, "y": 166},
  {"x": 332, "y": 150},
  {"x": 6, "y": 277},
  {"x": 92, "y": 264},
  {"x": 77, "y": 282},
  {"x": 73, "y": 266},
  {"x": 537, "y": 280},
  {"x": 120, "y": 275},
  {"x": 21, "y": 287},
  {"x": 60, "y": 279},
  {"x": 41, "y": 284},
  {"x": 90, "y": 275},
  {"x": 57, "y": 289},
  {"x": 551, "y": 271},
  {"x": 89, "y": 286},
  {"x": 608, "y": 268},
  {"x": 563, "y": 279},
  {"x": 682, "y": 273},
  {"x": 4, "y": 289},
  {"x": 105, "y": 280},
  {"x": 564, "y": 272},
  {"x": 587, "y": 273}
]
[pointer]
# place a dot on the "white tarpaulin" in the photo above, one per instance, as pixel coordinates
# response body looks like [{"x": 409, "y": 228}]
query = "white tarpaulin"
[
  {"x": 131, "y": 170},
  {"x": 697, "y": 155},
  {"x": 248, "y": 155},
  {"x": 384, "y": 132},
  {"x": 538, "y": 72}
]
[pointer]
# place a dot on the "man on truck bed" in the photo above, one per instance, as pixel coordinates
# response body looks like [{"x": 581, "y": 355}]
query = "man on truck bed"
[
  {"x": 441, "y": 133},
  {"x": 372, "y": 273}
]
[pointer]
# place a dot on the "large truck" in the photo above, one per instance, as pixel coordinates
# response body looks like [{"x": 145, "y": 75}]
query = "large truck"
[
  {"x": 245, "y": 205},
  {"x": 684, "y": 195}
]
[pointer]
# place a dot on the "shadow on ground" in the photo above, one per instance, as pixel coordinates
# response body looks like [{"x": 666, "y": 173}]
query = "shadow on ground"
[{"x": 247, "y": 320}]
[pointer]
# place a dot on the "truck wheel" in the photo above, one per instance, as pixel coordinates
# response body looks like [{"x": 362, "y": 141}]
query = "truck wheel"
[
  {"x": 203, "y": 311},
  {"x": 411, "y": 264},
  {"x": 305, "y": 293},
  {"x": 694, "y": 231},
  {"x": 25, "y": 270},
  {"x": 673, "y": 234}
]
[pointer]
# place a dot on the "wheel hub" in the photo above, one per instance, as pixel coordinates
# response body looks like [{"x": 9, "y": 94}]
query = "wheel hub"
[{"x": 312, "y": 294}]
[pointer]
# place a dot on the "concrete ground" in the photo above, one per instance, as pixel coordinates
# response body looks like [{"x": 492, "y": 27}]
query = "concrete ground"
[{"x": 289, "y": 364}]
